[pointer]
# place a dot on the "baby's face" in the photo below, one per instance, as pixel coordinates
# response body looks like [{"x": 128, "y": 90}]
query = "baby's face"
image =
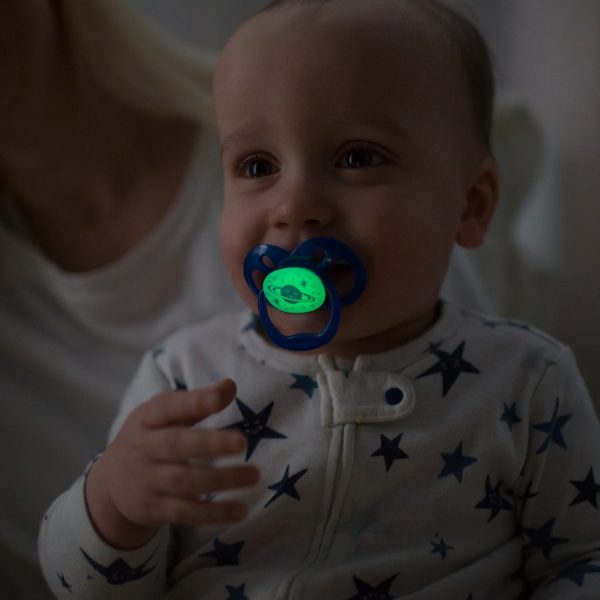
[{"x": 333, "y": 128}]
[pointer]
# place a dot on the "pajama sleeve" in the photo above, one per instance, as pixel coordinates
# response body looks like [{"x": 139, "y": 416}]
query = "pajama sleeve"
[
  {"x": 75, "y": 560},
  {"x": 559, "y": 486}
]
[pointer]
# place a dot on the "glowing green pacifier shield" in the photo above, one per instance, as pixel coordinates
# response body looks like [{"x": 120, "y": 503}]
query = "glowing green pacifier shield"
[{"x": 294, "y": 290}]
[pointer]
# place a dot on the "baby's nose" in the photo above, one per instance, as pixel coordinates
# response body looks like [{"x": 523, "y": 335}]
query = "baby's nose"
[{"x": 302, "y": 209}]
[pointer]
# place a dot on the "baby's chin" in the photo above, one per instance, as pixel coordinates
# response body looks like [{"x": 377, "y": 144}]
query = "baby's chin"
[
  {"x": 290, "y": 324},
  {"x": 315, "y": 323},
  {"x": 357, "y": 333}
]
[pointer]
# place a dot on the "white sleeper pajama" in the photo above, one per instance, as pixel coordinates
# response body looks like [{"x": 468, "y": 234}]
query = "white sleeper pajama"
[{"x": 464, "y": 465}]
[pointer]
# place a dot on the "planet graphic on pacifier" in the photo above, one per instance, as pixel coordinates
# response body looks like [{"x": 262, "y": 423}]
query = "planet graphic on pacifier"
[
  {"x": 299, "y": 282},
  {"x": 294, "y": 290}
]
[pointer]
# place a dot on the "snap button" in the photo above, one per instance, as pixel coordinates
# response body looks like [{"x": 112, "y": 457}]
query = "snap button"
[
  {"x": 394, "y": 396},
  {"x": 364, "y": 397}
]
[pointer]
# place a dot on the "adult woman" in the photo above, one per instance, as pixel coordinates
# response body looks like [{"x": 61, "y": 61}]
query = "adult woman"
[{"x": 110, "y": 181}]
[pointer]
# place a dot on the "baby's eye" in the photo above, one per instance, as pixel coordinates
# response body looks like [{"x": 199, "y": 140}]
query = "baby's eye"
[
  {"x": 360, "y": 158},
  {"x": 256, "y": 167}
]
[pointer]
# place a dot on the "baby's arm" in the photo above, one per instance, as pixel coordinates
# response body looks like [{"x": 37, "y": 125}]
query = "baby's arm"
[
  {"x": 107, "y": 537},
  {"x": 559, "y": 489}
]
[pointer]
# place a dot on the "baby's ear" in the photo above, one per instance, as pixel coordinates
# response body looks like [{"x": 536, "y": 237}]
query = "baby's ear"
[{"x": 480, "y": 205}]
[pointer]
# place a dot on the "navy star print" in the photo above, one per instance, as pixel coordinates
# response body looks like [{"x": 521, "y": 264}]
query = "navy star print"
[
  {"x": 509, "y": 416},
  {"x": 286, "y": 486},
  {"x": 441, "y": 548},
  {"x": 542, "y": 538},
  {"x": 577, "y": 572},
  {"x": 119, "y": 572},
  {"x": 456, "y": 463},
  {"x": 254, "y": 426},
  {"x": 390, "y": 450},
  {"x": 253, "y": 324},
  {"x": 305, "y": 383},
  {"x": 450, "y": 366},
  {"x": 553, "y": 428},
  {"x": 493, "y": 499},
  {"x": 225, "y": 554},
  {"x": 528, "y": 494},
  {"x": 63, "y": 582},
  {"x": 236, "y": 593},
  {"x": 433, "y": 347},
  {"x": 588, "y": 490},
  {"x": 368, "y": 592}
]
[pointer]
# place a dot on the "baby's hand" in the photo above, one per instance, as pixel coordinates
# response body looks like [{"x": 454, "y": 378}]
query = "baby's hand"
[{"x": 158, "y": 467}]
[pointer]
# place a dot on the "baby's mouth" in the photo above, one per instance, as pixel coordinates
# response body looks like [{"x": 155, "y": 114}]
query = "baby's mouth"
[
  {"x": 310, "y": 284},
  {"x": 341, "y": 275}
]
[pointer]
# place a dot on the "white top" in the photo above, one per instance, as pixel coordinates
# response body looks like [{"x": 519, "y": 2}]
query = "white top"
[
  {"x": 70, "y": 343},
  {"x": 463, "y": 465}
]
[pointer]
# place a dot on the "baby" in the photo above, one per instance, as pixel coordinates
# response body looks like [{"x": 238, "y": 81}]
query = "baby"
[{"x": 425, "y": 452}]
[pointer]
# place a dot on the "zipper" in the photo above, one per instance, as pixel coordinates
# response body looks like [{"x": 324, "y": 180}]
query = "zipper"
[{"x": 340, "y": 462}]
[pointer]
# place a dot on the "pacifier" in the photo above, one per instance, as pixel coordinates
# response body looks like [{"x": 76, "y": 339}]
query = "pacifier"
[{"x": 298, "y": 282}]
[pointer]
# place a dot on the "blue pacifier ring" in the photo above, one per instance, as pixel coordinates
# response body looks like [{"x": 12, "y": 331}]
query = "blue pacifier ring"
[
  {"x": 303, "y": 256},
  {"x": 254, "y": 262},
  {"x": 341, "y": 253},
  {"x": 302, "y": 341}
]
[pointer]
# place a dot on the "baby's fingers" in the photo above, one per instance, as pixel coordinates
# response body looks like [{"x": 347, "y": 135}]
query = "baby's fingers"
[
  {"x": 177, "y": 444},
  {"x": 194, "y": 482},
  {"x": 169, "y": 509},
  {"x": 184, "y": 407}
]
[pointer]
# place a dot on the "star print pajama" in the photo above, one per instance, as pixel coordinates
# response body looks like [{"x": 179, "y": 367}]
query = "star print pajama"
[{"x": 464, "y": 465}]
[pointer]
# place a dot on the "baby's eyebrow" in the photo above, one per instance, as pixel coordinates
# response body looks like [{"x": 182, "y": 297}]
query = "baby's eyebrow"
[
  {"x": 249, "y": 133},
  {"x": 387, "y": 124},
  {"x": 240, "y": 135},
  {"x": 232, "y": 139}
]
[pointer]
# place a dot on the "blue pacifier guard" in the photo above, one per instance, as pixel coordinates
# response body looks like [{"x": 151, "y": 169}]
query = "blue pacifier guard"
[{"x": 297, "y": 282}]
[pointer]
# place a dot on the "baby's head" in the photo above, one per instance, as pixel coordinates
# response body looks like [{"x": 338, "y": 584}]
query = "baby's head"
[{"x": 367, "y": 121}]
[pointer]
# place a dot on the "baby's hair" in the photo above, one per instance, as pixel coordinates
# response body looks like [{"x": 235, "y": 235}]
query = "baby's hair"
[{"x": 462, "y": 34}]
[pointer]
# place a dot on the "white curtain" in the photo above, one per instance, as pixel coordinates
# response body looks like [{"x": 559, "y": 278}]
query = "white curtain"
[{"x": 548, "y": 53}]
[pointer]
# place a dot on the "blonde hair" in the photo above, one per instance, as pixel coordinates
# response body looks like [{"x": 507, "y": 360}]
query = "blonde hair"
[{"x": 136, "y": 61}]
